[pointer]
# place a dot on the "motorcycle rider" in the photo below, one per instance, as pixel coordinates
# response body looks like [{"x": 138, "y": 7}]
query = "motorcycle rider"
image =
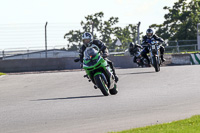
[
  {"x": 151, "y": 36},
  {"x": 87, "y": 42},
  {"x": 133, "y": 49}
]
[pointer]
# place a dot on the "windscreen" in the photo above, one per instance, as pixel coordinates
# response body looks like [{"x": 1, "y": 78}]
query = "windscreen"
[{"x": 90, "y": 53}]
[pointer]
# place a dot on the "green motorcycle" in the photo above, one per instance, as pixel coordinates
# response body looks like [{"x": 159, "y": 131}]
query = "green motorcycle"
[{"x": 98, "y": 71}]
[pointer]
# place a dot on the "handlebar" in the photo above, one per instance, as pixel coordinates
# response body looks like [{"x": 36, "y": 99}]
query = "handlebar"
[{"x": 77, "y": 60}]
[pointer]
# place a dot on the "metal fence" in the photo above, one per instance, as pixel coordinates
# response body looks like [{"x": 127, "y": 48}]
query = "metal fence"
[
  {"x": 53, "y": 51},
  {"x": 178, "y": 46},
  {"x": 182, "y": 46},
  {"x": 40, "y": 52},
  {"x": 36, "y": 52},
  {"x": 27, "y": 35}
]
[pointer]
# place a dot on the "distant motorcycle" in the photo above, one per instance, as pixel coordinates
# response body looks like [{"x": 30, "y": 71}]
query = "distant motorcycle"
[
  {"x": 137, "y": 57},
  {"x": 98, "y": 71},
  {"x": 141, "y": 61}
]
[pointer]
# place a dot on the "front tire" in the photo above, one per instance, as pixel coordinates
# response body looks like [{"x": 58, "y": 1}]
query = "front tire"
[
  {"x": 155, "y": 64},
  {"x": 101, "y": 84}
]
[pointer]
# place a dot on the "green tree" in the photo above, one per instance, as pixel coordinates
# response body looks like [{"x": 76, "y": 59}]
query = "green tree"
[
  {"x": 93, "y": 23},
  {"x": 74, "y": 37},
  {"x": 126, "y": 34},
  {"x": 107, "y": 31},
  {"x": 180, "y": 21}
]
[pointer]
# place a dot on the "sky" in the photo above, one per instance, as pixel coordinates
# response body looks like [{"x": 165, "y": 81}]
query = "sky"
[{"x": 20, "y": 19}]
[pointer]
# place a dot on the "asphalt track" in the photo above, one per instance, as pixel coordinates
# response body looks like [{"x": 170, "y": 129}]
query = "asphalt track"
[{"x": 65, "y": 102}]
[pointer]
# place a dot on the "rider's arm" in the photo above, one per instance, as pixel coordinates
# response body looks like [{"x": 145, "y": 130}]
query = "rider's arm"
[
  {"x": 144, "y": 41},
  {"x": 158, "y": 38},
  {"x": 101, "y": 46},
  {"x": 82, "y": 49},
  {"x": 139, "y": 46}
]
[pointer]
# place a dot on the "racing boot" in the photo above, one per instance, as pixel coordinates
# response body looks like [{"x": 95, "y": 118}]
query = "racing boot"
[
  {"x": 116, "y": 77},
  {"x": 113, "y": 69},
  {"x": 162, "y": 58}
]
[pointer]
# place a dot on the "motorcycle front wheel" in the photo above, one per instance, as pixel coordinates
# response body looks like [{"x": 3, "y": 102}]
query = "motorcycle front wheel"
[
  {"x": 155, "y": 63},
  {"x": 101, "y": 84}
]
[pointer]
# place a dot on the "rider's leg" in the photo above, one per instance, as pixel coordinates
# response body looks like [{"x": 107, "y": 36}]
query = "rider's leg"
[
  {"x": 162, "y": 50},
  {"x": 134, "y": 59},
  {"x": 144, "y": 54},
  {"x": 113, "y": 69}
]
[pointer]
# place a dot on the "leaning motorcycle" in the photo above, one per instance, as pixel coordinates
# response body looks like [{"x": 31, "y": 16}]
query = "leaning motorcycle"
[
  {"x": 154, "y": 49},
  {"x": 98, "y": 71}
]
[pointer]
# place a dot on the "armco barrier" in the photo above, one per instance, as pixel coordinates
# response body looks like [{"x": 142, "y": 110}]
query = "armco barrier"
[
  {"x": 25, "y": 65},
  {"x": 181, "y": 59},
  {"x": 123, "y": 61}
]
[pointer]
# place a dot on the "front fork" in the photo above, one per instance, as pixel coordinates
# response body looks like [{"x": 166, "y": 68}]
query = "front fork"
[{"x": 155, "y": 52}]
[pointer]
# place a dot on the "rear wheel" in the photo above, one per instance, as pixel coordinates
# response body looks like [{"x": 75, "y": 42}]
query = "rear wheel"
[
  {"x": 101, "y": 84},
  {"x": 145, "y": 62},
  {"x": 114, "y": 91},
  {"x": 155, "y": 64},
  {"x": 142, "y": 62}
]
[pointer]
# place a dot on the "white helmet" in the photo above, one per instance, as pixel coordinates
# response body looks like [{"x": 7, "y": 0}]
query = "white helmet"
[{"x": 88, "y": 37}]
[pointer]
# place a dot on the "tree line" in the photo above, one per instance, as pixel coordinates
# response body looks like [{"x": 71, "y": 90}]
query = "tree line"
[
  {"x": 107, "y": 31},
  {"x": 180, "y": 21},
  {"x": 180, "y": 24}
]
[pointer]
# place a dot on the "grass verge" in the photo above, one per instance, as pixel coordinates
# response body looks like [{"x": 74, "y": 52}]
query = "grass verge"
[
  {"x": 2, "y": 74},
  {"x": 191, "y": 125},
  {"x": 191, "y": 52}
]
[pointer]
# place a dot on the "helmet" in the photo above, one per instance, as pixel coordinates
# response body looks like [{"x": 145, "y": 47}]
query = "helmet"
[
  {"x": 131, "y": 45},
  {"x": 87, "y": 38},
  {"x": 149, "y": 33}
]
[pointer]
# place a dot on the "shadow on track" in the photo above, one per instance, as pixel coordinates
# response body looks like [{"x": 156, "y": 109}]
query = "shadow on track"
[
  {"x": 136, "y": 73},
  {"x": 68, "y": 98}
]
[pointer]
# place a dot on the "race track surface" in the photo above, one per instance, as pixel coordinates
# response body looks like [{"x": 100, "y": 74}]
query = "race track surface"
[{"x": 65, "y": 102}]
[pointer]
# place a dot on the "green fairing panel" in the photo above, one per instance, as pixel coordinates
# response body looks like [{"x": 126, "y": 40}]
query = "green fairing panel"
[{"x": 101, "y": 61}]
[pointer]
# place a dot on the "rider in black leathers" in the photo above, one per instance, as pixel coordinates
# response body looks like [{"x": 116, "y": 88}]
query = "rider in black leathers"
[
  {"x": 151, "y": 36},
  {"x": 87, "y": 42},
  {"x": 133, "y": 49}
]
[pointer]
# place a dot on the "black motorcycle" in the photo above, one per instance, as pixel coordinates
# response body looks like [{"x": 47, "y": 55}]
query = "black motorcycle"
[{"x": 141, "y": 61}]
